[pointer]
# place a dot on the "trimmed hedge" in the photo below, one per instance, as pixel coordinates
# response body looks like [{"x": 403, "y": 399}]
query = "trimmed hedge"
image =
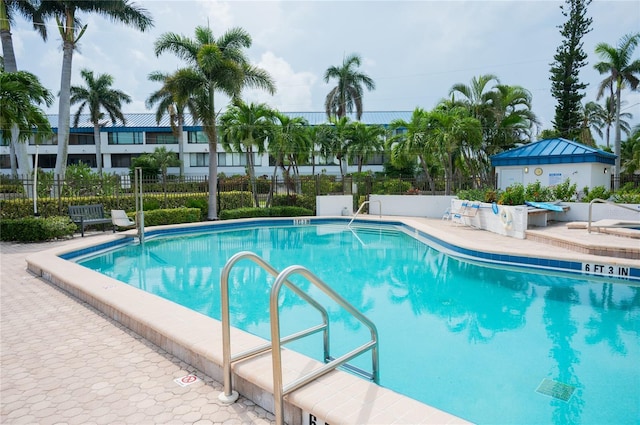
[
  {"x": 50, "y": 207},
  {"x": 172, "y": 216},
  {"x": 265, "y": 212},
  {"x": 36, "y": 229}
]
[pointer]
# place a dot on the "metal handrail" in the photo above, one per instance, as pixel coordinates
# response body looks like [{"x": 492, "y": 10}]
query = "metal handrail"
[
  {"x": 228, "y": 395},
  {"x": 603, "y": 201},
  {"x": 362, "y": 206},
  {"x": 282, "y": 278},
  {"x": 278, "y": 388}
]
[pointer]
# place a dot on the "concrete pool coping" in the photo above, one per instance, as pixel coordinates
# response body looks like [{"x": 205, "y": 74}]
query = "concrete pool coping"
[{"x": 196, "y": 339}]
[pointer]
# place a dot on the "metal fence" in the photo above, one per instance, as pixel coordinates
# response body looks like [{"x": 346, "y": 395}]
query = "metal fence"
[{"x": 118, "y": 191}]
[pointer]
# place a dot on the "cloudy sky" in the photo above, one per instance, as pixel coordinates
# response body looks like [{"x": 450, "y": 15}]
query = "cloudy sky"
[{"x": 413, "y": 50}]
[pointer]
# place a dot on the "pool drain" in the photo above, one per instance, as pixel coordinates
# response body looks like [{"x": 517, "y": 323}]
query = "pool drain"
[{"x": 555, "y": 389}]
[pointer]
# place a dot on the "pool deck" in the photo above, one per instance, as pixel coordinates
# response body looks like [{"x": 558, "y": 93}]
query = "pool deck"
[{"x": 63, "y": 361}]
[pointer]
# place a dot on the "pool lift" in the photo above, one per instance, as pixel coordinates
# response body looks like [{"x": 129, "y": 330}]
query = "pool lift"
[
  {"x": 139, "y": 204},
  {"x": 280, "y": 390}
]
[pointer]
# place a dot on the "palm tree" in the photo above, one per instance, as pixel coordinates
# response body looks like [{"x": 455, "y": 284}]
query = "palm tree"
[
  {"x": 413, "y": 140},
  {"x": 215, "y": 65},
  {"x": 622, "y": 72},
  {"x": 8, "y": 10},
  {"x": 347, "y": 95},
  {"x": 71, "y": 30},
  {"x": 20, "y": 92},
  {"x": 246, "y": 128},
  {"x": 169, "y": 103},
  {"x": 364, "y": 142},
  {"x": 476, "y": 95},
  {"x": 630, "y": 151},
  {"x": 452, "y": 128},
  {"x": 608, "y": 115},
  {"x": 291, "y": 146},
  {"x": 98, "y": 95},
  {"x": 506, "y": 117},
  {"x": 593, "y": 118}
]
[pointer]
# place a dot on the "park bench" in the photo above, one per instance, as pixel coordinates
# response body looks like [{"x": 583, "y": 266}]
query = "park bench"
[{"x": 89, "y": 215}]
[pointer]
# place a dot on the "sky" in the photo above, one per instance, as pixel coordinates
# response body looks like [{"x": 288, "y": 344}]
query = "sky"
[{"x": 415, "y": 51}]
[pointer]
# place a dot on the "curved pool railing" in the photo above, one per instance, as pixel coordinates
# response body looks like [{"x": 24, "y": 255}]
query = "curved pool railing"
[{"x": 279, "y": 389}]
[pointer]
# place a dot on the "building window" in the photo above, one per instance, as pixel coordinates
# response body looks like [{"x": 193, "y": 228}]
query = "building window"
[
  {"x": 125, "y": 138},
  {"x": 199, "y": 160},
  {"x": 161, "y": 139},
  {"x": 81, "y": 139},
  {"x": 197, "y": 137},
  {"x": 233, "y": 159},
  {"x": 122, "y": 160},
  {"x": 376, "y": 159},
  {"x": 88, "y": 159},
  {"x": 46, "y": 160},
  {"x": 5, "y": 161},
  {"x": 53, "y": 140}
]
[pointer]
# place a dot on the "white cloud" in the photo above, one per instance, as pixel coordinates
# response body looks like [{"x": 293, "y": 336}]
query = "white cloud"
[{"x": 293, "y": 88}]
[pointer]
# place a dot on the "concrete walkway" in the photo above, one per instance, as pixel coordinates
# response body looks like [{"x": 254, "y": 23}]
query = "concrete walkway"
[{"x": 63, "y": 362}]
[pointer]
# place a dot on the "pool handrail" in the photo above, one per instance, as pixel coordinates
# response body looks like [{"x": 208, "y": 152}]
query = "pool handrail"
[
  {"x": 604, "y": 201},
  {"x": 362, "y": 206},
  {"x": 279, "y": 389},
  {"x": 228, "y": 395}
]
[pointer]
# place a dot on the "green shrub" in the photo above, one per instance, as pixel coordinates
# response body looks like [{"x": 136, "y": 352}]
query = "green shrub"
[
  {"x": 536, "y": 192},
  {"x": 390, "y": 187},
  {"x": 471, "y": 194},
  {"x": 598, "y": 192},
  {"x": 512, "y": 195},
  {"x": 564, "y": 191},
  {"x": 285, "y": 211},
  {"x": 303, "y": 201},
  {"x": 35, "y": 229},
  {"x": 172, "y": 216}
]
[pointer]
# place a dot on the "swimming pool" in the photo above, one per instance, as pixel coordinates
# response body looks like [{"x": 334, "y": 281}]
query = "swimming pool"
[{"x": 487, "y": 344}]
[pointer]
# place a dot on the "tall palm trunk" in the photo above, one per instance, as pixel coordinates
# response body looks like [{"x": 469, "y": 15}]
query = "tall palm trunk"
[
  {"x": 17, "y": 151},
  {"x": 96, "y": 139},
  {"x": 212, "y": 135},
  {"x": 616, "y": 148},
  {"x": 181, "y": 143},
  {"x": 64, "y": 107}
]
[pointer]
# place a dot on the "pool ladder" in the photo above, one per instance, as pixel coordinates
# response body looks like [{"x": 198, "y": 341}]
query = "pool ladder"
[{"x": 275, "y": 346}]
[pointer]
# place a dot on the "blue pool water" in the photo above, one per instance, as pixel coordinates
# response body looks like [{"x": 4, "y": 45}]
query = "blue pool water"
[{"x": 472, "y": 340}]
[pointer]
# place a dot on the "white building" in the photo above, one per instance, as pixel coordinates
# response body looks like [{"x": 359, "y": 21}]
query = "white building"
[
  {"x": 552, "y": 161},
  {"x": 142, "y": 134}
]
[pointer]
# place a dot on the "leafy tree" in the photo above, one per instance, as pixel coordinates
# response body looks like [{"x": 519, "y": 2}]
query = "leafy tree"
[
  {"x": 506, "y": 117},
  {"x": 347, "y": 94},
  {"x": 364, "y": 142},
  {"x": 570, "y": 57},
  {"x": 20, "y": 93},
  {"x": 622, "y": 72},
  {"x": 630, "y": 151},
  {"x": 246, "y": 128},
  {"x": 215, "y": 65},
  {"x": 291, "y": 145},
  {"x": 452, "y": 128},
  {"x": 98, "y": 95},
  {"x": 413, "y": 140},
  {"x": 164, "y": 159},
  {"x": 169, "y": 103},
  {"x": 8, "y": 10},
  {"x": 71, "y": 30}
]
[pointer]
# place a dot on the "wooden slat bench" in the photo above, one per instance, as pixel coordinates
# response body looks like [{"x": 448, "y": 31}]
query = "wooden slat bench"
[
  {"x": 89, "y": 215},
  {"x": 539, "y": 217}
]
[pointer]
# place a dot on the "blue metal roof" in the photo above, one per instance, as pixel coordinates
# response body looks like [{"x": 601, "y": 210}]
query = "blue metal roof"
[
  {"x": 552, "y": 151},
  {"x": 147, "y": 121}
]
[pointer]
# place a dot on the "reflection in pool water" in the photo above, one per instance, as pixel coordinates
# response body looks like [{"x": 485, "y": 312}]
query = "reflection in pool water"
[{"x": 471, "y": 340}]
